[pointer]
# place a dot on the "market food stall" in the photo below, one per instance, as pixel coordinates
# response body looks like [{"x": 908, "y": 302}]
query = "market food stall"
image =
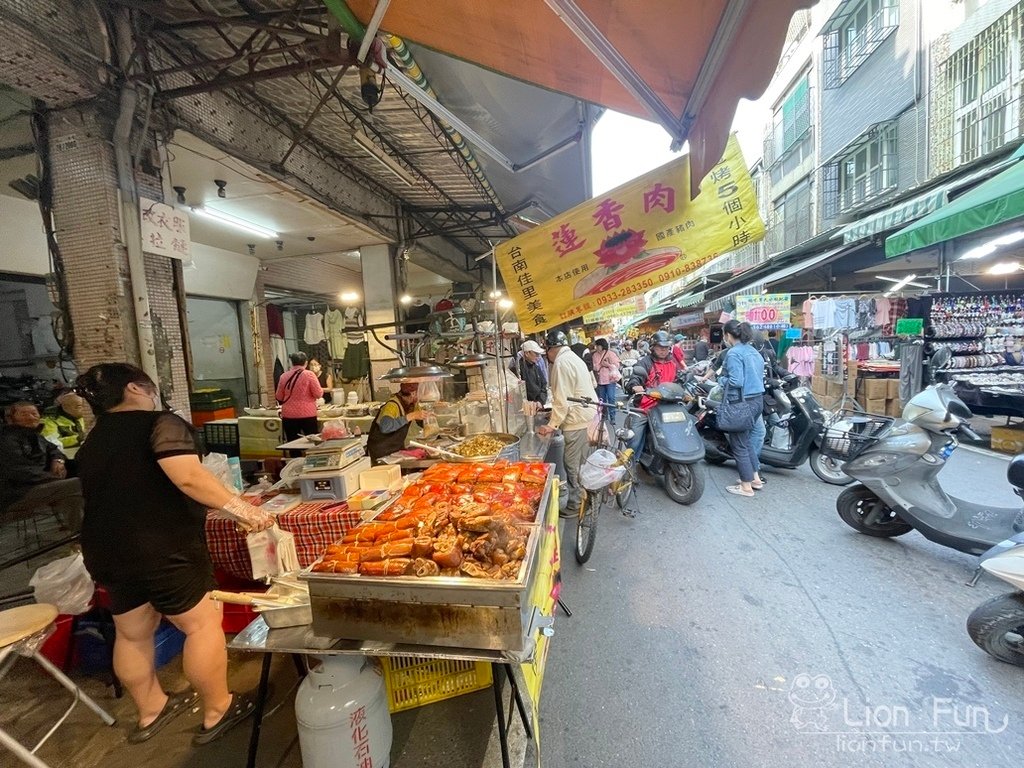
[{"x": 461, "y": 567}]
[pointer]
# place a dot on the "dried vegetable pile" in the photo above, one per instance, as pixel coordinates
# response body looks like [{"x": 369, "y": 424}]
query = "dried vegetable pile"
[{"x": 456, "y": 520}]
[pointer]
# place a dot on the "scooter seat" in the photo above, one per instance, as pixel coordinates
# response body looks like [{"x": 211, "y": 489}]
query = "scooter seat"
[{"x": 1015, "y": 472}]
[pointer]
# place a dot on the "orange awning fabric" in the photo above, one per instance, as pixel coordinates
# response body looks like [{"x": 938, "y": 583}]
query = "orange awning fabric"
[{"x": 695, "y": 59}]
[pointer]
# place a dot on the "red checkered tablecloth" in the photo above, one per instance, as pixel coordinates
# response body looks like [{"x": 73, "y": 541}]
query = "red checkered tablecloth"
[{"x": 314, "y": 528}]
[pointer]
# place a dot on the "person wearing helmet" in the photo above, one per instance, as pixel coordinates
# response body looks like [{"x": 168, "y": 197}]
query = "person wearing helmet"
[
  {"x": 569, "y": 377},
  {"x": 654, "y": 368},
  {"x": 629, "y": 354}
]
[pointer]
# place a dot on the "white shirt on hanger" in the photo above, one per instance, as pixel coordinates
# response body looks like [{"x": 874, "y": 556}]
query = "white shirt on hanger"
[{"x": 314, "y": 332}]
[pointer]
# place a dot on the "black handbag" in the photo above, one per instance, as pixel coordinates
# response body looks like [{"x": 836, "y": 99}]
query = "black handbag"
[{"x": 734, "y": 414}]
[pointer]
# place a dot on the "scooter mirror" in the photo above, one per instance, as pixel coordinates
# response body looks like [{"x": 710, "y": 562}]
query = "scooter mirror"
[
  {"x": 625, "y": 434},
  {"x": 940, "y": 359}
]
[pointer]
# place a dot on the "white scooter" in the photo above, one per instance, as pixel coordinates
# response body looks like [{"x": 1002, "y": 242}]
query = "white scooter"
[{"x": 997, "y": 626}]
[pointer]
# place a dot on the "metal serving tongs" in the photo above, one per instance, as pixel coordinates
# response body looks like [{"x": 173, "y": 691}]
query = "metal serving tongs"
[
  {"x": 255, "y": 599},
  {"x": 435, "y": 449}
]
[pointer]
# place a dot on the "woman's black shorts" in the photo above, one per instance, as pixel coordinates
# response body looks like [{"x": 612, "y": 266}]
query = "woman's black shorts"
[{"x": 172, "y": 587}]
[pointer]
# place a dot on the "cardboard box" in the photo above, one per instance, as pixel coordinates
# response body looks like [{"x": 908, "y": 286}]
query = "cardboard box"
[
  {"x": 1008, "y": 439},
  {"x": 876, "y": 406},
  {"x": 892, "y": 389},
  {"x": 834, "y": 389},
  {"x": 873, "y": 389},
  {"x": 893, "y": 408},
  {"x": 851, "y": 368}
]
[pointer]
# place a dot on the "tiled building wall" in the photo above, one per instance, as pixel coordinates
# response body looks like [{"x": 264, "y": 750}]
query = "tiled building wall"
[{"x": 88, "y": 228}]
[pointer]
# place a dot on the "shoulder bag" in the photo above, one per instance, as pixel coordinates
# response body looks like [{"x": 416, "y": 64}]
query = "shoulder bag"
[{"x": 733, "y": 414}]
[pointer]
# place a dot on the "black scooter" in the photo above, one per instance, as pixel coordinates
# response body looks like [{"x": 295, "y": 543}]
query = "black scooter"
[
  {"x": 795, "y": 423},
  {"x": 672, "y": 447}
]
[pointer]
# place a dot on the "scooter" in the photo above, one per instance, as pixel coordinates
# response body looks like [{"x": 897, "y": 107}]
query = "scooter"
[
  {"x": 672, "y": 446},
  {"x": 897, "y": 462},
  {"x": 795, "y": 423},
  {"x": 997, "y": 625}
]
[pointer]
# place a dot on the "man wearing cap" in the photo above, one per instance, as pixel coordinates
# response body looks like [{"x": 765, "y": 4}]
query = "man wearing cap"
[
  {"x": 390, "y": 426},
  {"x": 677, "y": 352},
  {"x": 529, "y": 367},
  {"x": 64, "y": 422},
  {"x": 570, "y": 377}
]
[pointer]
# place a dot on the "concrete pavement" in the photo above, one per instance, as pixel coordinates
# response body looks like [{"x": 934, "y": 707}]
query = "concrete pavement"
[
  {"x": 738, "y": 632},
  {"x": 766, "y": 632}
]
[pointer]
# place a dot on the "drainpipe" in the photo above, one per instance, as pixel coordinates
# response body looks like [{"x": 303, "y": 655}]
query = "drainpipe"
[
  {"x": 354, "y": 29},
  {"x": 131, "y": 234}
]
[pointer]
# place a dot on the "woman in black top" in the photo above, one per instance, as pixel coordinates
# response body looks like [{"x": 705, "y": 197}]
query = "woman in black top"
[{"x": 146, "y": 497}]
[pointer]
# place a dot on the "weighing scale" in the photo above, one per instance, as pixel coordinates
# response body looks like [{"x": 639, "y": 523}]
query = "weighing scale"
[{"x": 333, "y": 455}]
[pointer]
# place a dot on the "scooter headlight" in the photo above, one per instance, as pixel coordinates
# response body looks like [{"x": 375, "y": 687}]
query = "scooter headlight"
[{"x": 878, "y": 460}]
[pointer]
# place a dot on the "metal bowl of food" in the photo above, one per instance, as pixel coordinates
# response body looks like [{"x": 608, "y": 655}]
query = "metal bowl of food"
[{"x": 487, "y": 446}]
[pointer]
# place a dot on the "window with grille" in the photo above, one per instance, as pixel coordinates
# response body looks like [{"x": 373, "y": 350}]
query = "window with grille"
[
  {"x": 983, "y": 77},
  {"x": 792, "y": 222},
  {"x": 867, "y": 170},
  {"x": 856, "y": 37}
]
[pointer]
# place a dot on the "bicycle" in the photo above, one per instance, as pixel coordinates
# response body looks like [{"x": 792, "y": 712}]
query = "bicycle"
[{"x": 620, "y": 485}]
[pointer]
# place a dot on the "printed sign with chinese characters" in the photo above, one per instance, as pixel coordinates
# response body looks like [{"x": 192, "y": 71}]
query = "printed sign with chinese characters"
[
  {"x": 628, "y": 241},
  {"x": 768, "y": 311},
  {"x": 634, "y": 306},
  {"x": 165, "y": 230}
]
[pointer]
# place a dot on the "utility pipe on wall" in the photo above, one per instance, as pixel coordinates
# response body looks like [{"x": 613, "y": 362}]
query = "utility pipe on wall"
[{"x": 131, "y": 234}]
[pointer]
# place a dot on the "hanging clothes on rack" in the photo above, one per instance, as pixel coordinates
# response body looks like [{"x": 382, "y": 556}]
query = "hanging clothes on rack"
[
  {"x": 334, "y": 329},
  {"x": 801, "y": 360},
  {"x": 314, "y": 330}
]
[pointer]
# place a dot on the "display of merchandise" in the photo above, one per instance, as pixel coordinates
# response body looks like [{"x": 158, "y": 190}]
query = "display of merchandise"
[
  {"x": 861, "y": 314},
  {"x": 985, "y": 333},
  {"x": 801, "y": 360},
  {"x": 334, "y": 329}
]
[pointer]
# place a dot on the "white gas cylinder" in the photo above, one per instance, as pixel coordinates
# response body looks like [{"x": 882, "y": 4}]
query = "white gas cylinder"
[{"x": 342, "y": 715}]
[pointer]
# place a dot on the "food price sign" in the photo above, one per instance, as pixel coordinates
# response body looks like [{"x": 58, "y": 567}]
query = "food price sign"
[{"x": 769, "y": 311}]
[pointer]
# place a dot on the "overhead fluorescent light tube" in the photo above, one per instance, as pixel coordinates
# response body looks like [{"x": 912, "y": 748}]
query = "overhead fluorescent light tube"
[{"x": 234, "y": 221}]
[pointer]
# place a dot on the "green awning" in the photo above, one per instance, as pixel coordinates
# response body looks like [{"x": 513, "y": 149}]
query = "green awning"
[{"x": 998, "y": 200}]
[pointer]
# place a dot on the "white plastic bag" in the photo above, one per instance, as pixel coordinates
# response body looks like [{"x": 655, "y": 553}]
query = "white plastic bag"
[
  {"x": 272, "y": 553},
  {"x": 64, "y": 583},
  {"x": 599, "y": 470},
  {"x": 218, "y": 464}
]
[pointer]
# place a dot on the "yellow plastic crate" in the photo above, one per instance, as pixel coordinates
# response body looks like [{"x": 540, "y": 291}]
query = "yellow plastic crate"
[{"x": 413, "y": 681}]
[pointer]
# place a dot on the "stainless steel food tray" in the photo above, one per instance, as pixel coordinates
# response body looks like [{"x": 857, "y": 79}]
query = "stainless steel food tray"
[{"x": 457, "y": 612}]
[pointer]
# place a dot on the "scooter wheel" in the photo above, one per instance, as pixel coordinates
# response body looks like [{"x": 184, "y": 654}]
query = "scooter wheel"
[
  {"x": 863, "y": 511},
  {"x": 828, "y": 469},
  {"x": 684, "y": 483},
  {"x": 997, "y": 627}
]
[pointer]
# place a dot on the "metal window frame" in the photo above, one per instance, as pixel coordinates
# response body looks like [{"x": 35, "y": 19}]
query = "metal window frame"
[{"x": 841, "y": 60}]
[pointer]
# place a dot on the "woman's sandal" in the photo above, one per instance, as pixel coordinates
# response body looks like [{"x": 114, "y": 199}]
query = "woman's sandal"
[
  {"x": 738, "y": 490},
  {"x": 757, "y": 486},
  {"x": 176, "y": 704},
  {"x": 242, "y": 705}
]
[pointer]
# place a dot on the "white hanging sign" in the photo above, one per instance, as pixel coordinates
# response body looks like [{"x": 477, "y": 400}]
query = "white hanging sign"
[{"x": 165, "y": 230}]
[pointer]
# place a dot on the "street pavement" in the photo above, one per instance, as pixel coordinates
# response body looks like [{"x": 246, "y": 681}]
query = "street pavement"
[
  {"x": 698, "y": 633},
  {"x": 694, "y": 631}
]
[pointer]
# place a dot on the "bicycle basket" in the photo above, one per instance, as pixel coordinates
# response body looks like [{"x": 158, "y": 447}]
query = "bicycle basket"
[
  {"x": 848, "y": 434},
  {"x": 600, "y": 470}
]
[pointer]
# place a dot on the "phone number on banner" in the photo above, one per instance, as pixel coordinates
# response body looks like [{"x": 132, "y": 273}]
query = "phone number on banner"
[{"x": 626, "y": 291}]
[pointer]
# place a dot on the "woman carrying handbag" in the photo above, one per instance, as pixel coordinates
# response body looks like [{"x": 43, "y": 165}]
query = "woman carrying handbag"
[
  {"x": 742, "y": 382},
  {"x": 607, "y": 375}
]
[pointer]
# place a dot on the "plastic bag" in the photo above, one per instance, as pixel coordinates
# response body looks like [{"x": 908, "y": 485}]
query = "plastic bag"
[
  {"x": 334, "y": 429},
  {"x": 598, "y": 433},
  {"x": 64, "y": 583},
  {"x": 219, "y": 465},
  {"x": 272, "y": 553},
  {"x": 599, "y": 470}
]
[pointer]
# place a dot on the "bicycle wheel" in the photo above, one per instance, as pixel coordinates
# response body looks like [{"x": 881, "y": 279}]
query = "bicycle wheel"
[
  {"x": 625, "y": 488},
  {"x": 586, "y": 524}
]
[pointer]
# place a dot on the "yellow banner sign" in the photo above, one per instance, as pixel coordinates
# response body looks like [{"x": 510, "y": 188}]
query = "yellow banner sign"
[
  {"x": 630, "y": 240},
  {"x": 627, "y": 308},
  {"x": 543, "y": 598}
]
